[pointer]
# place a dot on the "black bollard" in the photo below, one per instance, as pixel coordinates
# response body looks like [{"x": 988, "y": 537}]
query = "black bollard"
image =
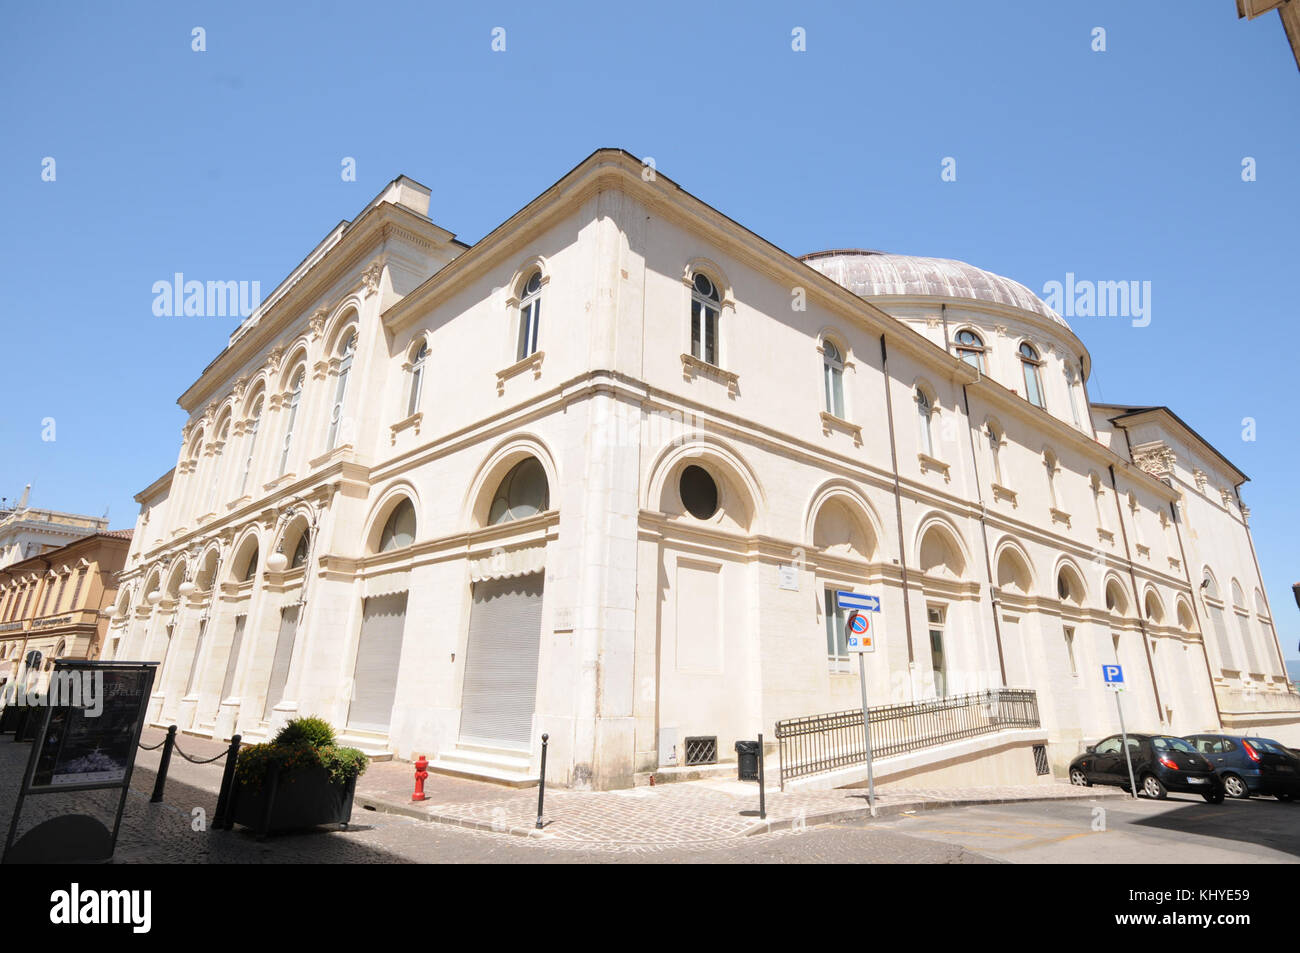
[
  {"x": 222, "y": 819},
  {"x": 541, "y": 785},
  {"x": 762, "y": 791},
  {"x": 163, "y": 764}
]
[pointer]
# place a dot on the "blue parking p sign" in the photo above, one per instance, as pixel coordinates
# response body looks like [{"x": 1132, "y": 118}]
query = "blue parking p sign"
[{"x": 1113, "y": 676}]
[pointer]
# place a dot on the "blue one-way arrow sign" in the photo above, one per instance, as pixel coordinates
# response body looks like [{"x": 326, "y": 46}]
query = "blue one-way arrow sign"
[{"x": 854, "y": 600}]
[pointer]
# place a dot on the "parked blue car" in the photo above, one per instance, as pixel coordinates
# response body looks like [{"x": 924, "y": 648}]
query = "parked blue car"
[{"x": 1251, "y": 766}]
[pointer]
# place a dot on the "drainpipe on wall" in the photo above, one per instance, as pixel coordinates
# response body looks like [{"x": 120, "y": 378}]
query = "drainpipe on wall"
[
  {"x": 984, "y": 530},
  {"x": 1137, "y": 596},
  {"x": 898, "y": 510},
  {"x": 1260, "y": 576},
  {"x": 1205, "y": 652}
]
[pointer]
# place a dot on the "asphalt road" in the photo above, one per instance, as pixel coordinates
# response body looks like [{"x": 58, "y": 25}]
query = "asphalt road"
[{"x": 1182, "y": 829}]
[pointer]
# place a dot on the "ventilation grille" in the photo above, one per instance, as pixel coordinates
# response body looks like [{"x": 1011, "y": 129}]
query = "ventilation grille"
[
  {"x": 702, "y": 750},
  {"x": 1040, "y": 760}
]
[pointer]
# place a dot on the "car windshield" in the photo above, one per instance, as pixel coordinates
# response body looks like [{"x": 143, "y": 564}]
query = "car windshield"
[{"x": 1172, "y": 744}]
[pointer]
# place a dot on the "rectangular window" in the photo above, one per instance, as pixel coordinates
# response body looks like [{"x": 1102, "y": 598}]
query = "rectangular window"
[
  {"x": 76, "y": 590},
  {"x": 704, "y": 333},
  {"x": 837, "y": 645},
  {"x": 1033, "y": 392},
  {"x": 1069, "y": 650},
  {"x": 936, "y": 616},
  {"x": 529, "y": 319},
  {"x": 834, "y": 391}
]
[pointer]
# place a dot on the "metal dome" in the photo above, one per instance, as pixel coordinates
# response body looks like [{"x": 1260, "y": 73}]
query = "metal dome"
[{"x": 870, "y": 274}]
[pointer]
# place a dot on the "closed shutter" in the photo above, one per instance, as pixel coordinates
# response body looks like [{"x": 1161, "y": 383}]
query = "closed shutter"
[
  {"x": 232, "y": 662},
  {"x": 505, "y": 631},
  {"x": 283, "y": 654},
  {"x": 194, "y": 659},
  {"x": 378, "y": 656}
]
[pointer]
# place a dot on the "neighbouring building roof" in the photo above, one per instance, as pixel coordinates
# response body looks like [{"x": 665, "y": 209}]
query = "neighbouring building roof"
[{"x": 870, "y": 274}]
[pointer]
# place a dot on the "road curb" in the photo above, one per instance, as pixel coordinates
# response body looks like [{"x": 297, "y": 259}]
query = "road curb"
[
  {"x": 763, "y": 827},
  {"x": 889, "y": 810}
]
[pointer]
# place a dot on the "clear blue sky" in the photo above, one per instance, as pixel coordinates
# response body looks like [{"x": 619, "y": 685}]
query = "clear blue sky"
[{"x": 225, "y": 164}]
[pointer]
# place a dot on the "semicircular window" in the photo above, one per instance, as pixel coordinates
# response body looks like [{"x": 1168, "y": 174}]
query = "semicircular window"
[
  {"x": 300, "y": 551},
  {"x": 524, "y": 492},
  {"x": 399, "y": 531},
  {"x": 699, "y": 492}
]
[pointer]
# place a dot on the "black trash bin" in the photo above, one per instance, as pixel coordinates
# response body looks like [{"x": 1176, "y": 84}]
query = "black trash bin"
[{"x": 747, "y": 760}]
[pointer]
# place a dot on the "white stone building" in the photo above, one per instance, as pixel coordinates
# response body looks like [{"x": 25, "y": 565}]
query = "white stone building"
[
  {"x": 27, "y": 531},
  {"x": 595, "y": 475}
]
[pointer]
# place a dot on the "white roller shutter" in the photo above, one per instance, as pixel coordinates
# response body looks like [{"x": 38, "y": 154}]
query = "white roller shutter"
[
  {"x": 505, "y": 632},
  {"x": 283, "y": 655},
  {"x": 378, "y": 655},
  {"x": 232, "y": 661}
]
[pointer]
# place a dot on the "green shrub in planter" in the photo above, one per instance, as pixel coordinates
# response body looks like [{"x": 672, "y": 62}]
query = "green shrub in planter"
[
  {"x": 316, "y": 732},
  {"x": 300, "y": 779}
]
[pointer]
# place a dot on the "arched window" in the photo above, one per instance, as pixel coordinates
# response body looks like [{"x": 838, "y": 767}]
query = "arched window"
[
  {"x": 254, "y": 422},
  {"x": 925, "y": 412},
  {"x": 833, "y": 372},
  {"x": 399, "y": 531},
  {"x": 524, "y": 492},
  {"x": 300, "y": 551},
  {"x": 705, "y": 305},
  {"x": 970, "y": 348},
  {"x": 417, "y": 378},
  {"x": 250, "y": 567},
  {"x": 1067, "y": 587},
  {"x": 60, "y": 649},
  {"x": 1030, "y": 361},
  {"x": 530, "y": 316},
  {"x": 1214, "y": 606},
  {"x": 1243, "y": 627},
  {"x": 295, "y": 398},
  {"x": 341, "y": 388},
  {"x": 218, "y": 446}
]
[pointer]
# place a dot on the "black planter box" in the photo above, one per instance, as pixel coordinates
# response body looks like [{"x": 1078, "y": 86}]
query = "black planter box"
[{"x": 293, "y": 800}]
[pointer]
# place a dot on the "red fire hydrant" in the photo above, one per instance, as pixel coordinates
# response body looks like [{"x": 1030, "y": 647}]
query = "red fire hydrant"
[{"x": 421, "y": 764}]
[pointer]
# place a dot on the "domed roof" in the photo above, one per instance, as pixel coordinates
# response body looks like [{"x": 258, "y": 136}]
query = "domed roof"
[{"x": 869, "y": 274}]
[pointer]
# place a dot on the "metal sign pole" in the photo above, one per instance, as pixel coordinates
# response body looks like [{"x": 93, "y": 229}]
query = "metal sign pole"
[
  {"x": 866, "y": 731},
  {"x": 1124, "y": 733}
]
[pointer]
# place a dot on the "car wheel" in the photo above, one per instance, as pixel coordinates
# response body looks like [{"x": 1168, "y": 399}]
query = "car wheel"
[
  {"x": 1079, "y": 779},
  {"x": 1235, "y": 787},
  {"x": 1152, "y": 788},
  {"x": 1214, "y": 797}
]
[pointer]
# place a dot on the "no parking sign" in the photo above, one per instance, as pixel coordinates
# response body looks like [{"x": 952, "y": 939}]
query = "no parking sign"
[{"x": 862, "y": 628}]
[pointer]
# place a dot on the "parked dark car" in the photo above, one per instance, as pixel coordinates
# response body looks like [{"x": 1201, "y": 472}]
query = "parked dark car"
[
  {"x": 1251, "y": 766},
  {"x": 1161, "y": 764}
]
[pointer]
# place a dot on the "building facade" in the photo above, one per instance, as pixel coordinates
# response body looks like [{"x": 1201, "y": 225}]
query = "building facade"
[
  {"x": 56, "y": 605},
  {"x": 27, "y": 531},
  {"x": 598, "y": 474}
]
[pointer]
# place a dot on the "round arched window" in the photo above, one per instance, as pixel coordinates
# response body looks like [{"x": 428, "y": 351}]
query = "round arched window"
[
  {"x": 1063, "y": 590},
  {"x": 250, "y": 567},
  {"x": 699, "y": 492},
  {"x": 300, "y": 551},
  {"x": 523, "y": 493},
  {"x": 399, "y": 531}
]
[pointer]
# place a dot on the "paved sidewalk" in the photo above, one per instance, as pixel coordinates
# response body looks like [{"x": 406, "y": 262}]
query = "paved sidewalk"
[{"x": 699, "y": 815}]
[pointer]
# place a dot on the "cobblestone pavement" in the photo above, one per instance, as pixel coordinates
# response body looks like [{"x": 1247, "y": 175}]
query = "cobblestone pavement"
[
  {"x": 682, "y": 822},
  {"x": 165, "y": 833}
]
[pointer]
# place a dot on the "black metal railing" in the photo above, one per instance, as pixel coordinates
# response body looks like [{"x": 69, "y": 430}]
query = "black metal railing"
[{"x": 817, "y": 743}]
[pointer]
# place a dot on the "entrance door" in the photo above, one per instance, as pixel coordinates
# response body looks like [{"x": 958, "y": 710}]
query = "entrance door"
[
  {"x": 374, "y": 683},
  {"x": 505, "y": 631}
]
